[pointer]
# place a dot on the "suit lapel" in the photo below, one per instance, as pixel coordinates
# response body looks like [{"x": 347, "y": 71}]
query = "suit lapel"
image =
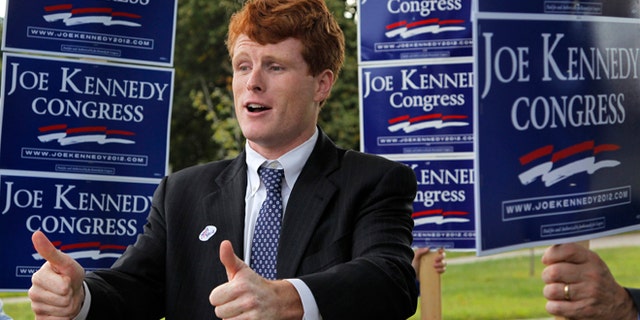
[
  {"x": 309, "y": 198},
  {"x": 225, "y": 206}
]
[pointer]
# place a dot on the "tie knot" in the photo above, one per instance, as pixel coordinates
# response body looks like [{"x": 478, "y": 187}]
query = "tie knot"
[{"x": 272, "y": 178}]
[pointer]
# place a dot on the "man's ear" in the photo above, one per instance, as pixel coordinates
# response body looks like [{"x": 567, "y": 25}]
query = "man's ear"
[{"x": 324, "y": 84}]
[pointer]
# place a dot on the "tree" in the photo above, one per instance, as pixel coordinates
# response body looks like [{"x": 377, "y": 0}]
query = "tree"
[
  {"x": 340, "y": 115},
  {"x": 201, "y": 102},
  {"x": 203, "y": 127}
]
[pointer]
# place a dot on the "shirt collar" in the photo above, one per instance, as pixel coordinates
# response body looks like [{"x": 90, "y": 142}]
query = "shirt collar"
[{"x": 292, "y": 162}]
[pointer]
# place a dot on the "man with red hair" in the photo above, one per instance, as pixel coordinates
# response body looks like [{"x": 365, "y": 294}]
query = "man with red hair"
[{"x": 339, "y": 244}]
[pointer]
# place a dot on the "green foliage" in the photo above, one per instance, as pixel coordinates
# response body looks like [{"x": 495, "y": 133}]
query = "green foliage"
[
  {"x": 203, "y": 127},
  {"x": 340, "y": 115},
  {"x": 202, "y": 110}
]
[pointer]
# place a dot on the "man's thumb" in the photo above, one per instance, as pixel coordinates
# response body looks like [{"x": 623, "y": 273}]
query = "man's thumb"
[
  {"x": 58, "y": 260},
  {"x": 231, "y": 262}
]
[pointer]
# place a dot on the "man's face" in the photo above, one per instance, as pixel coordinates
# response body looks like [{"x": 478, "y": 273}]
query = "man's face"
[{"x": 276, "y": 99}]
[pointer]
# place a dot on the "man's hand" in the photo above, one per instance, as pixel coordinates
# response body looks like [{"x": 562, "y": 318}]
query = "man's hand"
[
  {"x": 439, "y": 262},
  {"x": 591, "y": 290},
  {"x": 56, "y": 290},
  {"x": 249, "y": 296}
]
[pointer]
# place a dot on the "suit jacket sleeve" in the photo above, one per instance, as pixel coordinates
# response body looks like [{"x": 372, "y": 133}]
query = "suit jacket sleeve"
[
  {"x": 122, "y": 294},
  {"x": 169, "y": 272},
  {"x": 376, "y": 279}
]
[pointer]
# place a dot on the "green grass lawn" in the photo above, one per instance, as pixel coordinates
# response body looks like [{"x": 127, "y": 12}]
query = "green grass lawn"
[
  {"x": 505, "y": 289},
  {"x": 497, "y": 289},
  {"x": 18, "y": 311}
]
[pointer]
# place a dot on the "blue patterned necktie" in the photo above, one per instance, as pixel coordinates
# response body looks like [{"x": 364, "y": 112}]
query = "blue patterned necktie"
[{"x": 266, "y": 235}]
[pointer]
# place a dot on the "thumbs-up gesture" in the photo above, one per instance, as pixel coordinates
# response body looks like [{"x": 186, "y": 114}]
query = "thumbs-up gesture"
[
  {"x": 56, "y": 289},
  {"x": 247, "y": 295}
]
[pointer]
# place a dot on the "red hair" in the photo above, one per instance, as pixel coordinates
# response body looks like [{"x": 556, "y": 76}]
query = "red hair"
[{"x": 272, "y": 21}]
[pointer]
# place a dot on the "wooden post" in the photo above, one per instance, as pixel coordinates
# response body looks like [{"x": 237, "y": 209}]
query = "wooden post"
[
  {"x": 585, "y": 244},
  {"x": 431, "y": 296}
]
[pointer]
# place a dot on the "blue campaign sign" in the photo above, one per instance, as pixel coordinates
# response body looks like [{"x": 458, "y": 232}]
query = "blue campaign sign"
[
  {"x": 558, "y": 127},
  {"x": 620, "y": 9},
  {"x": 443, "y": 211},
  {"x": 92, "y": 221},
  {"x": 77, "y": 117},
  {"x": 122, "y": 30},
  {"x": 417, "y": 108},
  {"x": 410, "y": 29}
]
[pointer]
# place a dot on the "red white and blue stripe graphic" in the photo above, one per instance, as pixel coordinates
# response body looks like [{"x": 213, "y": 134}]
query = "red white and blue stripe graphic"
[
  {"x": 554, "y": 166},
  {"x": 78, "y": 16},
  {"x": 88, "y": 250},
  {"x": 406, "y": 29},
  {"x": 96, "y": 134},
  {"x": 439, "y": 217},
  {"x": 410, "y": 124}
]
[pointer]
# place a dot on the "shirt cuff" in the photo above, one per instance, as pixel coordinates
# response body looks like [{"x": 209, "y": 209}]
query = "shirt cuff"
[
  {"x": 84, "y": 311},
  {"x": 309, "y": 305}
]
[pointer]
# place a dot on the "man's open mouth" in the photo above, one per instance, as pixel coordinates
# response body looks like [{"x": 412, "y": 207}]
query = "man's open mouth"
[{"x": 256, "y": 108}]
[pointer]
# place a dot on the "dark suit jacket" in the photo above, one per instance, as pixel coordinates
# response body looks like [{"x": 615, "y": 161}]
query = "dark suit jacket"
[
  {"x": 346, "y": 234},
  {"x": 635, "y": 295}
]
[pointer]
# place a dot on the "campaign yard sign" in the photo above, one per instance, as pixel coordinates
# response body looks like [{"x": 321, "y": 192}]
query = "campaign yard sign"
[
  {"x": 75, "y": 117},
  {"x": 416, "y": 108},
  {"x": 557, "y": 120},
  {"x": 92, "y": 221},
  {"x": 413, "y": 29},
  {"x": 117, "y": 30},
  {"x": 443, "y": 210}
]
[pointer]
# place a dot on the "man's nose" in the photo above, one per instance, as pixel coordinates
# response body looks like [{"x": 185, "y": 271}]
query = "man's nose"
[{"x": 254, "y": 81}]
